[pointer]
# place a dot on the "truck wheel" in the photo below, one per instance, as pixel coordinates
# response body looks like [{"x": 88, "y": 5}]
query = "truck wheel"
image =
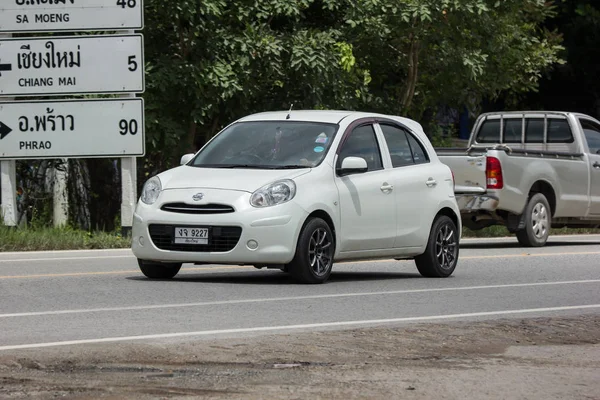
[
  {"x": 537, "y": 222},
  {"x": 441, "y": 254},
  {"x": 159, "y": 270},
  {"x": 314, "y": 253}
]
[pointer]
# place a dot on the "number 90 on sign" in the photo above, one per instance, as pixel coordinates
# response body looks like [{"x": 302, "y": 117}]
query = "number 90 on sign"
[{"x": 128, "y": 127}]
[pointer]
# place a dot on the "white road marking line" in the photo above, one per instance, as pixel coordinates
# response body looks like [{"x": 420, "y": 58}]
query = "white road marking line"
[
  {"x": 62, "y": 259},
  {"x": 295, "y": 327},
  {"x": 510, "y": 255},
  {"x": 279, "y": 299}
]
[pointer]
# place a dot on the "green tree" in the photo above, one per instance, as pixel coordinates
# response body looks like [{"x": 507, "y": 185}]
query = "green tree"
[
  {"x": 211, "y": 61},
  {"x": 423, "y": 53}
]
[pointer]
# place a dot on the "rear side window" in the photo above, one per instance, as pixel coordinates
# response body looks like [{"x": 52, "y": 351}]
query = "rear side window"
[
  {"x": 489, "y": 132},
  {"x": 418, "y": 151},
  {"x": 397, "y": 142},
  {"x": 534, "y": 130},
  {"x": 512, "y": 130},
  {"x": 591, "y": 131},
  {"x": 559, "y": 131}
]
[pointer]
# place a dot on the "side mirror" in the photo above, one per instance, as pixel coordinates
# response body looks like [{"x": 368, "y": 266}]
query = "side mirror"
[
  {"x": 186, "y": 158},
  {"x": 353, "y": 165}
]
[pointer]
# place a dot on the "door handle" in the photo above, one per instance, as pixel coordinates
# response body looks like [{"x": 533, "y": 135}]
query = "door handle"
[
  {"x": 431, "y": 182},
  {"x": 596, "y": 165},
  {"x": 386, "y": 187}
]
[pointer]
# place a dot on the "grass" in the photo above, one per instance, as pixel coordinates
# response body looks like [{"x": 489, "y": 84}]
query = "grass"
[{"x": 38, "y": 239}]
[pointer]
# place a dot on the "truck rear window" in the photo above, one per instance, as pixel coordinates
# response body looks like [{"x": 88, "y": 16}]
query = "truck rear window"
[
  {"x": 534, "y": 130},
  {"x": 489, "y": 132},
  {"x": 559, "y": 131}
]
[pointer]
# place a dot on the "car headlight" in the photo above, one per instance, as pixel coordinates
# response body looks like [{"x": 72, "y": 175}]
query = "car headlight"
[
  {"x": 274, "y": 193},
  {"x": 151, "y": 190}
]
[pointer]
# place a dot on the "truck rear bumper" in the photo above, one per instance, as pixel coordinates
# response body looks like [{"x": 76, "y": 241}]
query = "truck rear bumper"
[{"x": 476, "y": 202}]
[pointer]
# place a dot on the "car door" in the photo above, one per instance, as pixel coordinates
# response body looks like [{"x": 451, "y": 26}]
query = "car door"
[
  {"x": 366, "y": 199},
  {"x": 591, "y": 131},
  {"x": 415, "y": 185}
]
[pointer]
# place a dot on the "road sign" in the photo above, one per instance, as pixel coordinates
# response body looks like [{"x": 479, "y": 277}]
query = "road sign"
[
  {"x": 70, "y": 15},
  {"x": 72, "y": 128},
  {"x": 72, "y": 65}
]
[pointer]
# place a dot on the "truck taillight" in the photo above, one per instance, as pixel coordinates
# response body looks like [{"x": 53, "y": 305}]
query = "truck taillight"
[
  {"x": 453, "y": 180},
  {"x": 493, "y": 172}
]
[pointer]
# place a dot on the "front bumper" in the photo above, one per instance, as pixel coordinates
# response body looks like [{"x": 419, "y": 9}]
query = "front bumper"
[
  {"x": 468, "y": 203},
  {"x": 274, "y": 229}
]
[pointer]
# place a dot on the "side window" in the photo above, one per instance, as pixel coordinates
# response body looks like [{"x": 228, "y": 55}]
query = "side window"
[
  {"x": 418, "y": 151},
  {"x": 591, "y": 130},
  {"x": 362, "y": 142},
  {"x": 559, "y": 131},
  {"x": 489, "y": 132},
  {"x": 534, "y": 130},
  {"x": 397, "y": 142},
  {"x": 512, "y": 130}
]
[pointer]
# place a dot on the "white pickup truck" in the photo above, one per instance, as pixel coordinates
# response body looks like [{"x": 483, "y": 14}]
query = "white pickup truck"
[{"x": 528, "y": 170}]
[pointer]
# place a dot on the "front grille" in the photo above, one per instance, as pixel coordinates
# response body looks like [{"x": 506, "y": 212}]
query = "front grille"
[
  {"x": 221, "y": 238},
  {"x": 184, "y": 208}
]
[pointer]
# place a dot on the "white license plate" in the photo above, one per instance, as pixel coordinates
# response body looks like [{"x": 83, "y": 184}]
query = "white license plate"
[{"x": 191, "y": 235}]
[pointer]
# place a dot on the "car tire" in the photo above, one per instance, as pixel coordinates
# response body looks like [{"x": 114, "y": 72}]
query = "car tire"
[
  {"x": 154, "y": 270},
  {"x": 441, "y": 254},
  {"x": 313, "y": 260},
  {"x": 537, "y": 222}
]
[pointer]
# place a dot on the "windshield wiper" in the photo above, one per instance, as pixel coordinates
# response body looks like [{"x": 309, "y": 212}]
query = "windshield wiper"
[
  {"x": 255, "y": 166},
  {"x": 291, "y": 166}
]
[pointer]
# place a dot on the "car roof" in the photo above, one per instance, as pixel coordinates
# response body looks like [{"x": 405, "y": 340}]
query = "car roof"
[{"x": 325, "y": 116}]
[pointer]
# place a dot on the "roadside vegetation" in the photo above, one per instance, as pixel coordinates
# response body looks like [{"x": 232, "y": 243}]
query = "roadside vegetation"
[
  {"x": 68, "y": 238},
  {"x": 47, "y": 238}
]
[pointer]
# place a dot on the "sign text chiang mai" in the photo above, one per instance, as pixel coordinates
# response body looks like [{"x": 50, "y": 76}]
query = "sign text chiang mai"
[{"x": 71, "y": 65}]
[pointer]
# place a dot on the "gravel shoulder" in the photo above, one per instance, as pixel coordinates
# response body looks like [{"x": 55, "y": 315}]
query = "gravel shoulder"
[{"x": 538, "y": 358}]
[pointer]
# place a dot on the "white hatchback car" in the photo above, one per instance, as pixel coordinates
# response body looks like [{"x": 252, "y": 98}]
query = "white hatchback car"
[{"x": 299, "y": 190}]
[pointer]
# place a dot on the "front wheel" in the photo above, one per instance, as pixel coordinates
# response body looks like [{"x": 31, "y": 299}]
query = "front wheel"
[
  {"x": 441, "y": 254},
  {"x": 314, "y": 253},
  {"x": 154, "y": 270}
]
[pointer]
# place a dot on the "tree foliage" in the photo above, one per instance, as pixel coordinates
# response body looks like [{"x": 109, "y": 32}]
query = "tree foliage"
[{"x": 211, "y": 61}]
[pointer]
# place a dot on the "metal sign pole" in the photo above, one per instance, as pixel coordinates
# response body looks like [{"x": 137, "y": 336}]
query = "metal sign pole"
[
  {"x": 128, "y": 182},
  {"x": 8, "y": 180}
]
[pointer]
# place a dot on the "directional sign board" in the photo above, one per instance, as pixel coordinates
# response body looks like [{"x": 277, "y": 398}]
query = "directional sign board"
[
  {"x": 71, "y": 65},
  {"x": 72, "y": 128},
  {"x": 70, "y": 15}
]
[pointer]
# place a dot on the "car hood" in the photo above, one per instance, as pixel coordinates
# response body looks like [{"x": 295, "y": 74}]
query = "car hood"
[{"x": 247, "y": 180}]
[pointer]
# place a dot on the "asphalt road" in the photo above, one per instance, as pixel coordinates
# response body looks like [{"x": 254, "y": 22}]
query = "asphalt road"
[{"x": 49, "y": 299}]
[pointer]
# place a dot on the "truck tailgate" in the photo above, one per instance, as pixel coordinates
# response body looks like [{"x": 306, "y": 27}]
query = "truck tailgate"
[{"x": 469, "y": 171}]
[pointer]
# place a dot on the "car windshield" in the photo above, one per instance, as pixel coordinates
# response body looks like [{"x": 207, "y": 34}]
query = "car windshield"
[{"x": 268, "y": 145}]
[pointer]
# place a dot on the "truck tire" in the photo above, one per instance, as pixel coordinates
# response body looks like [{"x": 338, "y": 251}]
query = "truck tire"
[{"x": 537, "y": 217}]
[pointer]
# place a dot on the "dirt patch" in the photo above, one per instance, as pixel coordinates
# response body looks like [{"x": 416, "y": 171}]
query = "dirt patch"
[{"x": 543, "y": 358}]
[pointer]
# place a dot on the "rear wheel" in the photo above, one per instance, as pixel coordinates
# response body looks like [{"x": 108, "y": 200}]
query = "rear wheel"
[
  {"x": 155, "y": 270},
  {"x": 314, "y": 253},
  {"x": 537, "y": 222},
  {"x": 441, "y": 254}
]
